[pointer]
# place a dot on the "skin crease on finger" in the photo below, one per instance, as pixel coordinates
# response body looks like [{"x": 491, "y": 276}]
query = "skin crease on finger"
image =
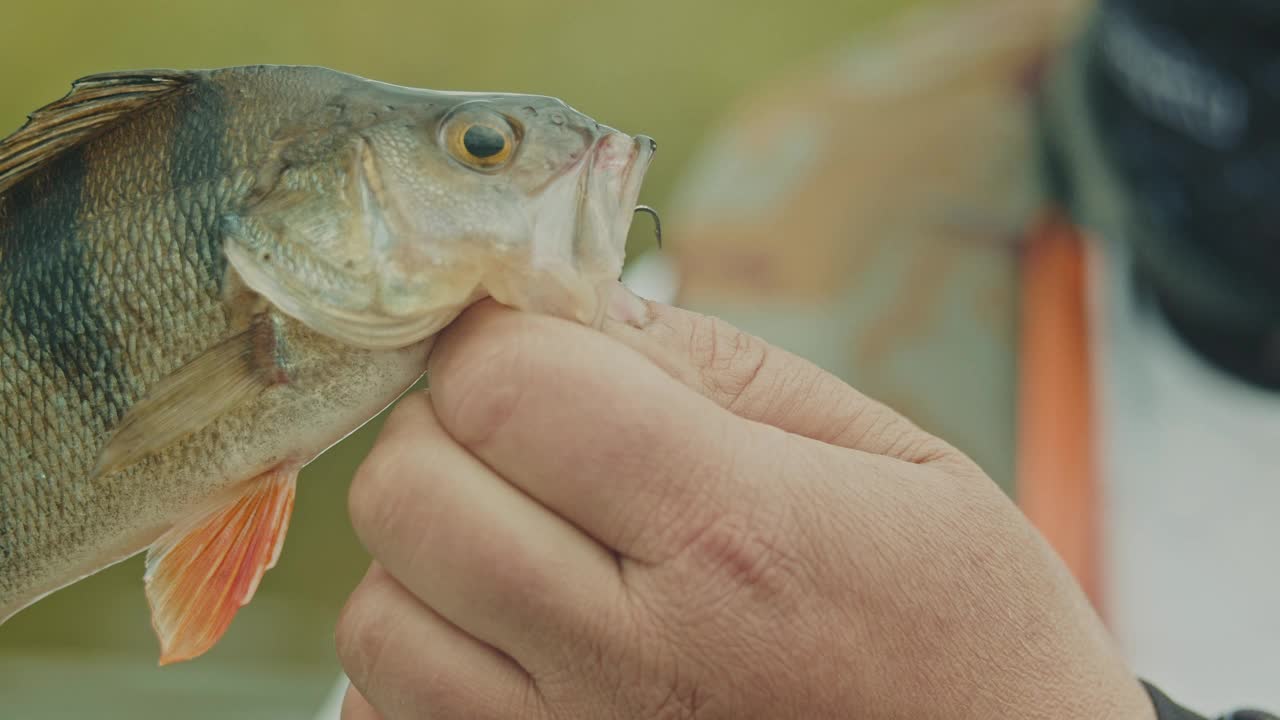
[{"x": 852, "y": 563}]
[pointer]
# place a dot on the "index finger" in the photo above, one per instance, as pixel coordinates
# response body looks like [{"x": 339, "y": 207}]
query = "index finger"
[{"x": 593, "y": 431}]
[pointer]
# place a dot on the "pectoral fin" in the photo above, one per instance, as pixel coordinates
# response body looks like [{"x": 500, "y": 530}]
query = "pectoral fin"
[
  {"x": 202, "y": 571},
  {"x": 198, "y": 393}
]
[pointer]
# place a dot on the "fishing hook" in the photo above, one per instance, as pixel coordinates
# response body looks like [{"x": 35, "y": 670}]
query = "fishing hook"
[{"x": 657, "y": 221}]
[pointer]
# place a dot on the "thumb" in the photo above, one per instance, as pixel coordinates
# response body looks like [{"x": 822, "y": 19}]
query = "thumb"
[{"x": 761, "y": 382}]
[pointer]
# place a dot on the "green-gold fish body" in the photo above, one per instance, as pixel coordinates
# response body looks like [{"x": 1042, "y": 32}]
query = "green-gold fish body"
[{"x": 207, "y": 278}]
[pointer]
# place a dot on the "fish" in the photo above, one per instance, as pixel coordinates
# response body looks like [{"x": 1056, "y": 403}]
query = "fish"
[{"x": 210, "y": 277}]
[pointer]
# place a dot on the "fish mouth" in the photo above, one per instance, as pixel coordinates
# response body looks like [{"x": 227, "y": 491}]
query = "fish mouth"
[
  {"x": 633, "y": 178},
  {"x": 608, "y": 191},
  {"x": 579, "y": 234}
]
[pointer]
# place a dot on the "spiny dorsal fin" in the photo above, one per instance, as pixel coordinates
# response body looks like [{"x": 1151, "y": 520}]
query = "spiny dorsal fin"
[{"x": 93, "y": 106}]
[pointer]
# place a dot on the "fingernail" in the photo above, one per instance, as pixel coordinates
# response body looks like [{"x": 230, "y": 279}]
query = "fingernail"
[{"x": 627, "y": 307}]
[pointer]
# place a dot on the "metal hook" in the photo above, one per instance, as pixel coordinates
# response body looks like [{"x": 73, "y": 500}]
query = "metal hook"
[{"x": 657, "y": 221}]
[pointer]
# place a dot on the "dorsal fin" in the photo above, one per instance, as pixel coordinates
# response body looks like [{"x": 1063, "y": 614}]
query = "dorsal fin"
[{"x": 93, "y": 106}]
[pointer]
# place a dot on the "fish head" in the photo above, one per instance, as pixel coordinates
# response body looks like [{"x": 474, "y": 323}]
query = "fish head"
[
  {"x": 446, "y": 198},
  {"x": 534, "y": 195}
]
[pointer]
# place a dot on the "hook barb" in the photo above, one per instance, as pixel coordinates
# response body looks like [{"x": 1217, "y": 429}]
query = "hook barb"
[{"x": 657, "y": 221}]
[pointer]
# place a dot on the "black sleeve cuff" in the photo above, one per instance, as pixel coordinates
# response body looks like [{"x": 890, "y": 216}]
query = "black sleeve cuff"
[{"x": 1166, "y": 709}]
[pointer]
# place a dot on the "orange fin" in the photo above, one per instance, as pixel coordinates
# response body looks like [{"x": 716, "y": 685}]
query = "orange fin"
[{"x": 202, "y": 571}]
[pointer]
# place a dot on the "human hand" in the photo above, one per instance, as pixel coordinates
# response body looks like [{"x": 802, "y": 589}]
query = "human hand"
[{"x": 672, "y": 519}]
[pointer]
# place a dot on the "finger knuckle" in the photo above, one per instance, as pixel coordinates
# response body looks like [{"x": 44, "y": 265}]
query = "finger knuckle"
[
  {"x": 360, "y": 635},
  {"x": 745, "y": 553},
  {"x": 372, "y": 498},
  {"x": 731, "y": 360}
]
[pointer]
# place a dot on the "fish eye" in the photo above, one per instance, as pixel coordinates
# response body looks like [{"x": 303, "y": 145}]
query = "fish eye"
[{"x": 481, "y": 140}]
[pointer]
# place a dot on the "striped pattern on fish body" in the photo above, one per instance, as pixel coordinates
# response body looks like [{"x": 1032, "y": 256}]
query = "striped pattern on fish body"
[{"x": 208, "y": 278}]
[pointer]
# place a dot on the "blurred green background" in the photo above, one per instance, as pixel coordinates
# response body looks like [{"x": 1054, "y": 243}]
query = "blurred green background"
[{"x": 668, "y": 68}]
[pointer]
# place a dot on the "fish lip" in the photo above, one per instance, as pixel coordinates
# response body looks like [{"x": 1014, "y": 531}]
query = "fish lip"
[
  {"x": 629, "y": 186},
  {"x": 646, "y": 148},
  {"x": 606, "y": 190}
]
